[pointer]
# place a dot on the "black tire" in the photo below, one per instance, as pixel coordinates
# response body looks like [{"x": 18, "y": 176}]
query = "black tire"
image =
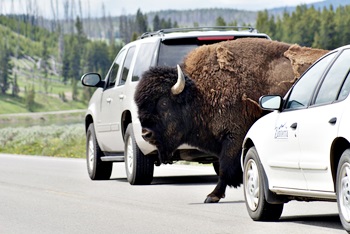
[
  {"x": 139, "y": 168},
  {"x": 97, "y": 169},
  {"x": 343, "y": 189},
  {"x": 253, "y": 186}
]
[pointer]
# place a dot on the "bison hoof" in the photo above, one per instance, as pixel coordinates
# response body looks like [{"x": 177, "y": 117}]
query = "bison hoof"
[{"x": 212, "y": 200}]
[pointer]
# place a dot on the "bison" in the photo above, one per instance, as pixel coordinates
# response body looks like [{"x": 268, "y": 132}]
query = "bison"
[{"x": 213, "y": 103}]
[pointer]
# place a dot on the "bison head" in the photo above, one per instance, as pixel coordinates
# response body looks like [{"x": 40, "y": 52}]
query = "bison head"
[{"x": 163, "y": 97}]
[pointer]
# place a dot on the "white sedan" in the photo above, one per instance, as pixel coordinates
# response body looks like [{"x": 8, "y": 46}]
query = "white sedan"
[{"x": 301, "y": 150}]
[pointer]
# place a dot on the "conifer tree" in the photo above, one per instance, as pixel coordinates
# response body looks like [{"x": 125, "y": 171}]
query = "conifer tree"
[
  {"x": 326, "y": 37},
  {"x": 5, "y": 68},
  {"x": 220, "y": 21}
]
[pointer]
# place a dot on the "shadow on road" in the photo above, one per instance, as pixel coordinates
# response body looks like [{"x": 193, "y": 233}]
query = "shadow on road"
[
  {"x": 188, "y": 180},
  {"x": 179, "y": 180},
  {"x": 329, "y": 220}
]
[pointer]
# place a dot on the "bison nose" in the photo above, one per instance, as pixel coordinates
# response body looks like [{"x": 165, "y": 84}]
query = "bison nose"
[{"x": 147, "y": 134}]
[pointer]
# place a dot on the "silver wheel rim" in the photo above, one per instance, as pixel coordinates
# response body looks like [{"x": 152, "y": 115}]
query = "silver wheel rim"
[
  {"x": 91, "y": 153},
  {"x": 344, "y": 192},
  {"x": 251, "y": 184},
  {"x": 130, "y": 155}
]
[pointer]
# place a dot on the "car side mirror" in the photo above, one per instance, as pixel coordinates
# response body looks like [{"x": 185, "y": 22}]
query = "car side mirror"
[
  {"x": 92, "y": 80},
  {"x": 271, "y": 102}
]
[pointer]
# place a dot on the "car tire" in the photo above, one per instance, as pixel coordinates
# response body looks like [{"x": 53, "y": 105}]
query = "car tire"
[
  {"x": 343, "y": 189},
  {"x": 253, "y": 185},
  {"x": 97, "y": 169},
  {"x": 139, "y": 168}
]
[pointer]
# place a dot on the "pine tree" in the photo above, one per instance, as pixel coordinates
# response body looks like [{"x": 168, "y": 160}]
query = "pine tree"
[
  {"x": 156, "y": 23},
  {"x": 326, "y": 37},
  {"x": 15, "y": 87},
  {"x": 29, "y": 98},
  {"x": 220, "y": 21},
  {"x": 45, "y": 58},
  {"x": 5, "y": 68},
  {"x": 261, "y": 21},
  {"x": 342, "y": 21},
  {"x": 141, "y": 22}
]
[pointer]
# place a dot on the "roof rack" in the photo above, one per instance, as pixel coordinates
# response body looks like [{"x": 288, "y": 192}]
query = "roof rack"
[{"x": 217, "y": 28}]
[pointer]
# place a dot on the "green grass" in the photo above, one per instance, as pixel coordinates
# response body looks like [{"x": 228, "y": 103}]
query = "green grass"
[
  {"x": 50, "y": 134},
  {"x": 47, "y": 90},
  {"x": 11, "y": 104},
  {"x": 43, "y": 103},
  {"x": 52, "y": 140}
]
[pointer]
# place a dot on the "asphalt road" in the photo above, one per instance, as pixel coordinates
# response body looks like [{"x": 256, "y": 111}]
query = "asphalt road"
[{"x": 55, "y": 195}]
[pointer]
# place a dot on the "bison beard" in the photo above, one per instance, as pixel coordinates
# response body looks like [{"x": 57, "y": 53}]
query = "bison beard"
[{"x": 214, "y": 105}]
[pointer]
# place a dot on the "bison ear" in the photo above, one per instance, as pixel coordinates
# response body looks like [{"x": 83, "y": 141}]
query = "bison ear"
[{"x": 180, "y": 84}]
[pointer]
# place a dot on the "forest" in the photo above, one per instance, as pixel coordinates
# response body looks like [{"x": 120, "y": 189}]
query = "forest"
[
  {"x": 327, "y": 28},
  {"x": 48, "y": 61}
]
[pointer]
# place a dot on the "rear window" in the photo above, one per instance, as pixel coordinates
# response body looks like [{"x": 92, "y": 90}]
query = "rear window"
[
  {"x": 172, "y": 52},
  {"x": 170, "y": 55}
]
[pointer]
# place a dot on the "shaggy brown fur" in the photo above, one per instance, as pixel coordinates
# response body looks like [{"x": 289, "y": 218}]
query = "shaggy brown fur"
[
  {"x": 219, "y": 102},
  {"x": 233, "y": 75},
  {"x": 302, "y": 57}
]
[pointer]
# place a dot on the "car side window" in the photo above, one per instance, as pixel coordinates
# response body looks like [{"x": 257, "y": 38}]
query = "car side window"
[
  {"x": 143, "y": 60},
  {"x": 345, "y": 90},
  {"x": 126, "y": 66},
  {"x": 334, "y": 80},
  {"x": 302, "y": 91},
  {"x": 113, "y": 73}
]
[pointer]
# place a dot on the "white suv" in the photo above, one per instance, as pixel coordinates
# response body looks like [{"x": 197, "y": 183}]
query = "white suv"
[{"x": 113, "y": 130}]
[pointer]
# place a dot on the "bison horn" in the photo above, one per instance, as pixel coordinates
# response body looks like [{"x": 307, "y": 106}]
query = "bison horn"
[{"x": 180, "y": 84}]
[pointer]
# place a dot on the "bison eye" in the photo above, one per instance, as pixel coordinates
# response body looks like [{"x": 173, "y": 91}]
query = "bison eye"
[{"x": 163, "y": 104}]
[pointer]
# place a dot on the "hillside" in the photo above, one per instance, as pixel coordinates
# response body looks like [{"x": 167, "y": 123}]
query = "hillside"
[
  {"x": 29, "y": 72},
  {"x": 96, "y": 27},
  {"x": 204, "y": 17},
  {"x": 317, "y": 5},
  {"x": 48, "y": 91}
]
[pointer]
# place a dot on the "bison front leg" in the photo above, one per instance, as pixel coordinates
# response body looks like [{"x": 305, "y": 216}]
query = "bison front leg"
[
  {"x": 218, "y": 192},
  {"x": 230, "y": 172}
]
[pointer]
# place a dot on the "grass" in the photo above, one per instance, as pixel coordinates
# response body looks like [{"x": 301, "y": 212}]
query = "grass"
[
  {"x": 58, "y": 134},
  {"x": 52, "y": 140},
  {"x": 11, "y": 104},
  {"x": 47, "y": 90},
  {"x": 43, "y": 103}
]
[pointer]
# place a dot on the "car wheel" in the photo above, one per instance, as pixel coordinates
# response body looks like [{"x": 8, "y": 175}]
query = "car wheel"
[
  {"x": 97, "y": 169},
  {"x": 343, "y": 189},
  {"x": 139, "y": 168},
  {"x": 258, "y": 208}
]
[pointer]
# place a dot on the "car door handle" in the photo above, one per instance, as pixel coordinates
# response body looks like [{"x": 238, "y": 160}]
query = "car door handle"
[
  {"x": 294, "y": 125},
  {"x": 333, "y": 120},
  {"x": 121, "y": 96},
  {"x": 109, "y": 100}
]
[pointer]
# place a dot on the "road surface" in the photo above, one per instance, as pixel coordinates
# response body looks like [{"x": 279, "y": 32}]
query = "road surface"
[{"x": 55, "y": 195}]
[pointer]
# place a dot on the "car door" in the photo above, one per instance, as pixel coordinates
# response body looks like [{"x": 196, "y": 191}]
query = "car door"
[
  {"x": 319, "y": 124},
  {"x": 108, "y": 125},
  {"x": 115, "y": 139},
  {"x": 284, "y": 159},
  {"x": 283, "y": 153}
]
